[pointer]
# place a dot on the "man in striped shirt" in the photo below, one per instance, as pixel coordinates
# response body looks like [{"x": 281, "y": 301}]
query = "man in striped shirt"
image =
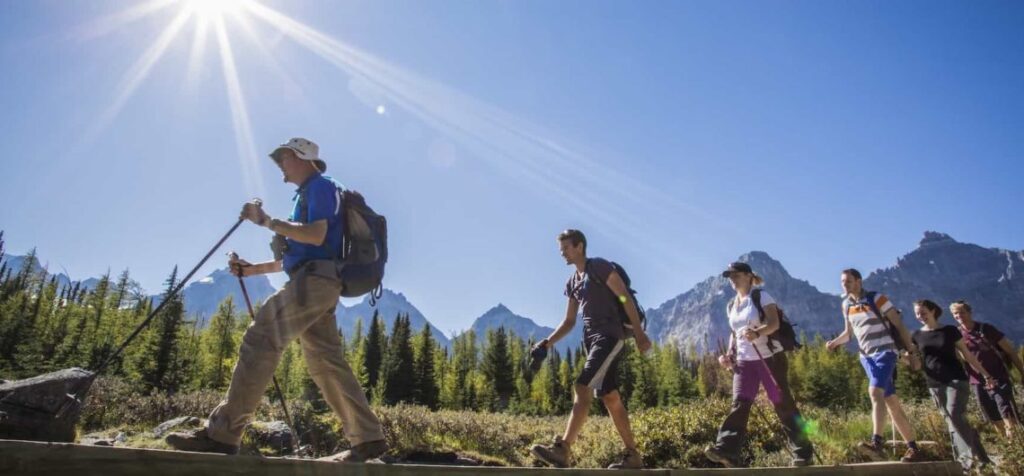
[{"x": 877, "y": 324}]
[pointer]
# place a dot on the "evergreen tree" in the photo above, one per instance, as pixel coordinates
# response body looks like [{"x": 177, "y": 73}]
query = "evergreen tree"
[
  {"x": 373, "y": 351},
  {"x": 219, "y": 345},
  {"x": 398, "y": 364},
  {"x": 424, "y": 379},
  {"x": 496, "y": 369},
  {"x": 159, "y": 364}
]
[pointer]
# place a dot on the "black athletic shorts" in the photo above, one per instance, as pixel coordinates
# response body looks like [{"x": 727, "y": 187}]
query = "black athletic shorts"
[
  {"x": 996, "y": 404},
  {"x": 601, "y": 370}
]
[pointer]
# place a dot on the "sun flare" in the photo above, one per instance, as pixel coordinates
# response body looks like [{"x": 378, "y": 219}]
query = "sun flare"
[{"x": 211, "y": 10}]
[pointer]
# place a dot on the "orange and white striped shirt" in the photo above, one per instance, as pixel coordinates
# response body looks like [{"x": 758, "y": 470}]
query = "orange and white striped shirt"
[{"x": 872, "y": 334}]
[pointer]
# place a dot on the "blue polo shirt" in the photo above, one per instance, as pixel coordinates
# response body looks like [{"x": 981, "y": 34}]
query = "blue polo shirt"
[{"x": 319, "y": 198}]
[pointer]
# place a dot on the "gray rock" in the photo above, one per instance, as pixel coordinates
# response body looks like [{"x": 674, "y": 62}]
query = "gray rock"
[
  {"x": 29, "y": 408},
  {"x": 279, "y": 435},
  {"x": 273, "y": 434},
  {"x": 175, "y": 423}
]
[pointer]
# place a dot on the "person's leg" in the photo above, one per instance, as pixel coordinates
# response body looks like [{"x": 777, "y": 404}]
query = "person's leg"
[
  {"x": 1004, "y": 400},
  {"x": 559, "y": 452},
  {"x": 733, "y": 432},
  {"x": 886, "y": 380},
  {"x": 876, "y": 393},
  {"x": 989, "y": 409},
  {"x": 899, "y": 418},
  {"x": 878, "y": 412},
  {"x": 580, "y": 411},
  {"x": 278, "y": 321},
  {"x": 782, "y": 399},
  {"x": 620, "y": 417},
  {"x": 325, "y": 359},
  {"x": 965, "y": 438},
  {"x": 941, "y": 399},
  {"x": 602, "y": 359}
]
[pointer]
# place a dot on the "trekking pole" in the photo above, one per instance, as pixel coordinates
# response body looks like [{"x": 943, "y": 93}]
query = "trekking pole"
[
  {"x": 74, "y": 398},
  {"x": 277, "y": 386}
]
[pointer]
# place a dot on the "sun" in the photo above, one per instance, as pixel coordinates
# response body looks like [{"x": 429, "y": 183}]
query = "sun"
[{"x": 211, "y": 10}]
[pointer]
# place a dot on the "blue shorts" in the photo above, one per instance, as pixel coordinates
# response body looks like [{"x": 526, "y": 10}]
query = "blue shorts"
[{"x": 881, "y": 370}]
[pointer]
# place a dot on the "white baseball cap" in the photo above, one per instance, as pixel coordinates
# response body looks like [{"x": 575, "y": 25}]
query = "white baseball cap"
[{"x": 304, "y": 149}]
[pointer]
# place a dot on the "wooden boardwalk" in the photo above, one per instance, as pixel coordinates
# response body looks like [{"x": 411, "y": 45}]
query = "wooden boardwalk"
[{"x": 19, "y": 458}]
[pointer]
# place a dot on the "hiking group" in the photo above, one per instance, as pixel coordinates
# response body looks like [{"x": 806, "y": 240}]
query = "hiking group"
[{"x": 334, "y": 245}]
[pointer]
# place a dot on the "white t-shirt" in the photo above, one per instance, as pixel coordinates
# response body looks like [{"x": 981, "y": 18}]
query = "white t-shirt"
[{"x": 744, "y": 314}]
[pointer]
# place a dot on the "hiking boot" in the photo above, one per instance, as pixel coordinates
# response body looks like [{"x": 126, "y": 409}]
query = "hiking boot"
[
  {"x": 199, "y": 441},
  {"x": 913, "y": 455},
  {"x": 718, "y": 456},
  {"x": 556, "y": 454},
  {"x": 631, "y": 459},
  {"x": 362, "y": 452},
  {"x": 872, "y": 450}
]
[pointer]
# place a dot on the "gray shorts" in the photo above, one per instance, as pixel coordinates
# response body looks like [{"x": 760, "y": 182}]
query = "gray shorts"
[{"x": 601, "y": 370}]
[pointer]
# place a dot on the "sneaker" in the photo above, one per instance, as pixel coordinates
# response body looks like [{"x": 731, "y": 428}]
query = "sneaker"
[
  {"x": 872, "y": 450},
  {"x": 199, "y": 441},
  {"x": 556, "y": 454},
  {"x": 362, "y": 452},
  {"x": 718, "y": 456},
  {"x": 912, "y": 456},
  {"x": 631, "y": 459}
]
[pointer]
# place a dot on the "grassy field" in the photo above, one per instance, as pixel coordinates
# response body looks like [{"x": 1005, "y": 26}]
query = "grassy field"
[{"x": 668, "y": 437}]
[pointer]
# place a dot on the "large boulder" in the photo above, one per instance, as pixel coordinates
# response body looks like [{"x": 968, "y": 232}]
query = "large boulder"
[{"x": 43, "y": 408}]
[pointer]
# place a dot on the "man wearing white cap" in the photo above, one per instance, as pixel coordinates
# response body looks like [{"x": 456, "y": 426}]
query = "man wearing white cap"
[{"x": 303, "y": 308}]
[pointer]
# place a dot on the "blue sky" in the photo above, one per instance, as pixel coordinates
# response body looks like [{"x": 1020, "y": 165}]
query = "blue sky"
[{"x": 677, "y": 135}]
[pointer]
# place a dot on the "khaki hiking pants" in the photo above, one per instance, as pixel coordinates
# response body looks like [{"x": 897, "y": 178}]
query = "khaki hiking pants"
[{"x": 285, "y": 316}]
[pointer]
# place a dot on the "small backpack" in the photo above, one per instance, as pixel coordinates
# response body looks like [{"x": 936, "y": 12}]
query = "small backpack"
[
  {"x": 785, "y": 335},
  {"x": 364, "y": 248},
  {"x": 627, "y": 327},
  {"x": 364, "y": 245}
]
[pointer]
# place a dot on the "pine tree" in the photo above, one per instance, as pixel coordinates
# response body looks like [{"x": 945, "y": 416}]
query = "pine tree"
[
  {"x": 426, "y": 389},
  {"x": 497, "y": 368},
  {"x": 398, "y": 363},
  {"x": 645, "y": 390},
  {"x": 373, "y": 353},
  {"x": 219, "y": 344},
  {"x": 356, "y": 354},
  {"x": 159, "y": 365}
]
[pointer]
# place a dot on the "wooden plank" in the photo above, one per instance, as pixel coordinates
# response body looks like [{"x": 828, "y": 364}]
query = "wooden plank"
[{"x": 30, "y": 458}]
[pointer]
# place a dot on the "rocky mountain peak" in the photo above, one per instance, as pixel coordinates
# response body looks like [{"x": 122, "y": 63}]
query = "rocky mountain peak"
[{"x": 934, "y": 237}]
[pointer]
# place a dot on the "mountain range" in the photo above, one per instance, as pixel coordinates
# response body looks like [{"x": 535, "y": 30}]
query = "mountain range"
[{"x": 940, "y": 268}]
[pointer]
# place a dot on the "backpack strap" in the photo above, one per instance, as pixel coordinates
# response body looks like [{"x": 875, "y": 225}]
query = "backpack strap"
[
  {"x": 846, "y": 313},
  {"x": 870, "y": 297},
  {"x": 586, "y": 269},
  {"x": 755, "y": 295}
]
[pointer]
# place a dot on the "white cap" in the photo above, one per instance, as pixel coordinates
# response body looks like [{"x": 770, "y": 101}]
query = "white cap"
[{"x": 304, "y": 149}]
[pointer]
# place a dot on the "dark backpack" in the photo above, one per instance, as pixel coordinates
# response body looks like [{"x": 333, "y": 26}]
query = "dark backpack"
[
  {"x": 364, "y": 246},
  {"x": 894, "y": 333},
  {"x": 627, "y": 327},
  {"x": 785, "y": 335}
]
